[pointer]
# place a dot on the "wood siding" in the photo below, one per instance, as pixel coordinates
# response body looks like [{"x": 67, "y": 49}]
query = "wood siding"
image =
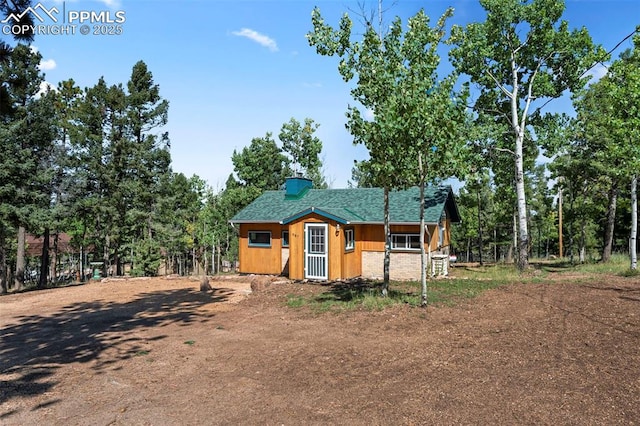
[
  {"x": 261, "y": 260},
  {"x": 342, "y": 264},
  {"x": 335, "y": 245},
  {"x": 373, "y": 235}
]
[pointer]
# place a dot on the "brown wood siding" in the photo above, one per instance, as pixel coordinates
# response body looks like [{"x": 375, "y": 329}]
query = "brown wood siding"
[
  {"x": 335, "y": 241},
  {"x": 261, "y": 260},
  {"x": 447, "y": 233},
  {"x": 352, "y": 259},
  {"x": 373, "y": 235},
  {"x": 342, "y": 264}
]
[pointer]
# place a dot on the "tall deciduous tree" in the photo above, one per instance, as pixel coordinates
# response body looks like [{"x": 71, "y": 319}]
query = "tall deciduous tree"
[
  {"x": 262, "y": 164},
  {"x": 397, "y": 81},
  {"x": 522, "y": 54},
  {"x": 298, "y": 140},
  {"x": 608, "y": 122}
]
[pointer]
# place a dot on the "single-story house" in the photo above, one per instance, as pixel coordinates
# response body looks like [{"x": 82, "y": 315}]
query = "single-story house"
[{"x": 332, "y": 234}]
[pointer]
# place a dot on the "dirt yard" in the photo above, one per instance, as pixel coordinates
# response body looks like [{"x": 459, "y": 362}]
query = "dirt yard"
[{"x": 160, "y": 352}]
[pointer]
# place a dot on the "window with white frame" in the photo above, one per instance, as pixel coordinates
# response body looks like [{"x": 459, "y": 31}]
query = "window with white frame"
[
  {"x": 259, "y": 239},
  {"x": 405, "y": 241},
  {"x": 349, "y": 240}
]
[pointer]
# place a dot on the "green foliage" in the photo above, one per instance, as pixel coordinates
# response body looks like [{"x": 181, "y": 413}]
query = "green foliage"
[
  {"x": 601, "y": 154},
  {"x": 262, "y": 164},
  {"x": 147, "y": 258},
  {"x": 415, "y": 135},
  {"x": 520, "y": 57},
  {"x": 120, "y": 162},
  {"x": 299, "y": 142}
]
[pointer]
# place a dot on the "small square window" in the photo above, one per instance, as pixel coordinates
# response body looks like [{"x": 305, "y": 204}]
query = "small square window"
[
  {"x": 285, "y": 238},
  {"x": 349, "y": 240},
  {"x": 260, "y": 238}
]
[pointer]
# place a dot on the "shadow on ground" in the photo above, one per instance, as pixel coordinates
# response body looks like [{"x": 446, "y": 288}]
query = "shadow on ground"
[{"x": 35, "y": 346}]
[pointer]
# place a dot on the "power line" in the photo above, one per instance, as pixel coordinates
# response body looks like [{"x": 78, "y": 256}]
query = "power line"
[{"x": 599, "y": 61}]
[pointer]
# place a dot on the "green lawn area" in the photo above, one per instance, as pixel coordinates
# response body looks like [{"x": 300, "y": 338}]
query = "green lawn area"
[{"x": 463, "y": 282}]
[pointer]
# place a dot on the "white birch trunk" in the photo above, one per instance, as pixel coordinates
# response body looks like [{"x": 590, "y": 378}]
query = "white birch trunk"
[
  {"x": 387, "y": 244},
  {"x": 634, "y": 223},
  {"x": 423, "y": 260},
  {"x": 523, "y": 232},
  {"x": 518, "y": 124}
]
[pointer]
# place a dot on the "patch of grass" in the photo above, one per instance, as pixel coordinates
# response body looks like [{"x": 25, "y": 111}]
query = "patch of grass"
[
  {"x": 630, "y": 273},
  {"x": 294, "y": 301},
  {"x": 449, "y": 292},
  {"x": 141, "y": 353},
  {"x": 190, "y": 342},
  {"x": 367, "y": 295},
  {"x": 616, "y": 265}
]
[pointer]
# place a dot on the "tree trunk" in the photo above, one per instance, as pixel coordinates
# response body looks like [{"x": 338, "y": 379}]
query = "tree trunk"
[
  {"x": 560, "y": 241},
  {"x": 423, "y": 260},
  {"x": 514, "y": 244},
  {"x": 571, "y": 223},
  {"x": 523, "y": 232},
  {"x": 117, "y": 260},
  {"x": 611, "y": 221},
  {"x": 106, "y": 261},
  {"x": 20, "y": 259},
  {"x": 495, "y": 245},
  {"x": 634, "y": 223},
  {"x": 54, "y": 259},
  {"x": 479, "y": 229},
  {"x": 387, "y": 244},
  {"x": 4, "y": 287},
  {"x": 44, "y": 260},
  {"x": 82, "y": 265}
]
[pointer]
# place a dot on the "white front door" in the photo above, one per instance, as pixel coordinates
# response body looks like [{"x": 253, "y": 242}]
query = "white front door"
[{"x": 315, "y": 251}]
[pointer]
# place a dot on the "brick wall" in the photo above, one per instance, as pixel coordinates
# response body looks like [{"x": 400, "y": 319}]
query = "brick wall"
[{"x": 404, "y": 265}]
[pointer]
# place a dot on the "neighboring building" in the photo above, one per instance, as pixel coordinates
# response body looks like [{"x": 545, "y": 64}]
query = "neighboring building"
[{"x": 331, "y": 234}]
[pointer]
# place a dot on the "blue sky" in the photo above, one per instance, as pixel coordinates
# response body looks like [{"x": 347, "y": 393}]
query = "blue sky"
[{"x": 234, "y": 70}]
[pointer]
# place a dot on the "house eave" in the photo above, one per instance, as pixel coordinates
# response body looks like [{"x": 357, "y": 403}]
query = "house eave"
[
  {"x": 243, "y": 221},
  {"x": 392, "y": 223},
  {"x": 312, "y": 210}
]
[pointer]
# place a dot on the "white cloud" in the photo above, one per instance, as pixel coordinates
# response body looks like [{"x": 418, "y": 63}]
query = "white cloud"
[
  {"x": 47, "y": 64},
  {"x": 369, "y": 115},
  {"x": 112, "y": 4},
  {"x": 45, "y": 87},
  {"x": 261, "y": 39},
  {"x": 597, "y": 72}
]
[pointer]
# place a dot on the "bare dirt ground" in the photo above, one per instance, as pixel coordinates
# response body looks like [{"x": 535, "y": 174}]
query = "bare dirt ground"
[{"x": 160, "y": 352}]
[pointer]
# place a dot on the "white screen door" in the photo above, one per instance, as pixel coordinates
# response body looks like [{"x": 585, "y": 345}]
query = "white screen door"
[{"x": 315, "y": 248}]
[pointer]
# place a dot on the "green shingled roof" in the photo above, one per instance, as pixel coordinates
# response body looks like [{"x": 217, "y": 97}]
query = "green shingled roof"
[{"x": 352, "y": 205}]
